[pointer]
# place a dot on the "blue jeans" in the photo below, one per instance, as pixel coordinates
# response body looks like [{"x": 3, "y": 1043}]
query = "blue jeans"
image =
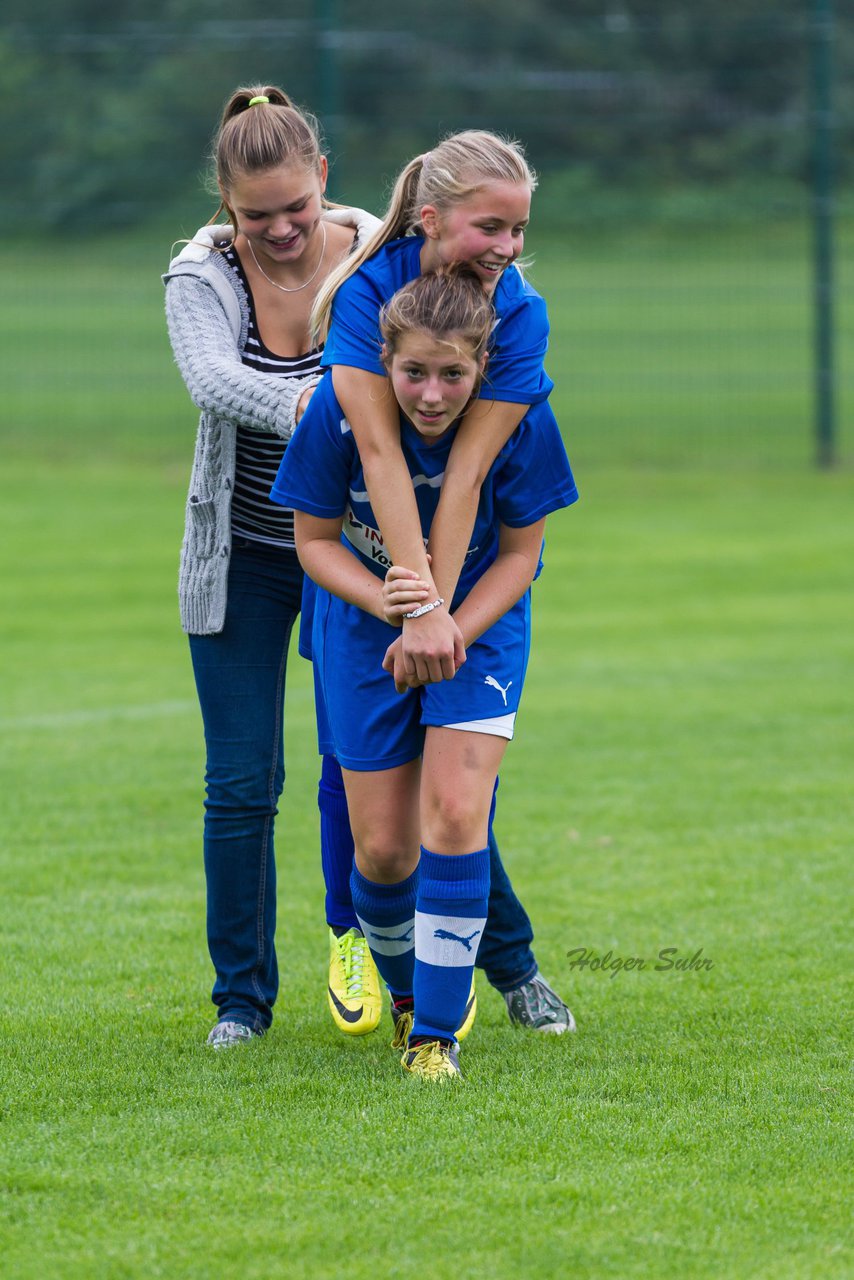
[
  {"x": 504, "y": 953},
  {"x": 240, "y": 678}
]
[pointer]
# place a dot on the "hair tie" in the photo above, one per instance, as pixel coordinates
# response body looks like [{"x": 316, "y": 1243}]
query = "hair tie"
[{"x": 253, "y": 102}]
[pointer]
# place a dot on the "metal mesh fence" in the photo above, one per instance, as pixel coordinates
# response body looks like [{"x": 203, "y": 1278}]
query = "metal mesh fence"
[{"x": 673, "y": 230}]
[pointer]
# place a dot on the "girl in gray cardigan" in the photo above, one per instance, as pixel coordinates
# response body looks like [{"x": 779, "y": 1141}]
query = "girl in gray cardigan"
[{"x": 238, "y": 300}]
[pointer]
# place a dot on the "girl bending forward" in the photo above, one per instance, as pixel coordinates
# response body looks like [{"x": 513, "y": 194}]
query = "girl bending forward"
[{"x": 420, "y": 768}]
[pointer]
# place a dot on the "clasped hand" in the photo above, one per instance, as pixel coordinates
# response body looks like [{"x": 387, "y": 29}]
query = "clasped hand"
[{"x": 431, "y": 647}]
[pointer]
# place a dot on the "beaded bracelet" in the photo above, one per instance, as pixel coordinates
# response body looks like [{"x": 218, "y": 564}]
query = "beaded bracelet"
[{"x": 424, "y": 608}]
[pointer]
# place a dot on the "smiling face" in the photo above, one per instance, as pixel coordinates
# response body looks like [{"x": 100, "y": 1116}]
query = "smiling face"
[
  {"x": 278, "y": 211},
  {"x": 433, "y": 380},
  {"x": 486, "y": 230}
]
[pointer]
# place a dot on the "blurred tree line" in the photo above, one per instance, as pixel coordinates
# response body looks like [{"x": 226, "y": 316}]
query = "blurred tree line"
[{"x": 108, "y": 115}]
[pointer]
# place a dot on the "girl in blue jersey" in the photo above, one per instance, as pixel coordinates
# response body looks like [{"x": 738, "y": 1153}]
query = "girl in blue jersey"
[
  {"x": 466, "y": 201},
  {"x": 420, "y": 769}
]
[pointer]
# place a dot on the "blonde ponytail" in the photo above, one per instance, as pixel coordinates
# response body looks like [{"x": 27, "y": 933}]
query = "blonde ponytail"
[{"x": 396, "y": 223}]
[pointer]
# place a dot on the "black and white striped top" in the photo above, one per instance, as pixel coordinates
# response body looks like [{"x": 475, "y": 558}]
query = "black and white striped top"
[{"x": 253, "y": 515}]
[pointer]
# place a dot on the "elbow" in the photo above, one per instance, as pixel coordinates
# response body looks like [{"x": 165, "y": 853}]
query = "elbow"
[
  {"x": 302, "y": 541},
  {"x": 311, "y": 559},
  {"x": 303, "y": 555}
]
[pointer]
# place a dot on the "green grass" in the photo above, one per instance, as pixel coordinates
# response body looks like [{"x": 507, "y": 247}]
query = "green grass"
[
  {"x": 679, "y": 349},
  {"x": 681, "y": 779},
  {"x": 693, "y": 347}
]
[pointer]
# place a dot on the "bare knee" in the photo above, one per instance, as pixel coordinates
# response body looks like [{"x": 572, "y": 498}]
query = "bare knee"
[
  {"x": 384, "y": 859},
  {"x": 455, "y": 823}
]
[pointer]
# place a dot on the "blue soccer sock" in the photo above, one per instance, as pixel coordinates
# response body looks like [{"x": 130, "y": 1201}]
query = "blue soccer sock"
[
  {"x": 386, "y": 915},
  {"x": 336, "y": 846},
  {"x": 450, "y": 917}
]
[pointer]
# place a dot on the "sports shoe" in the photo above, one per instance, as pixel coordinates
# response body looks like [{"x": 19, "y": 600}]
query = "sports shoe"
[
  {"x": 469, "y": 1013},
  {"x": 403, "y": 1015},
  {"x": 227, "y": 1034},
  {"x": 537, "y": 1006},
  {"x": 353, "y": 993},
  {"x": 433, "y": 1060}
]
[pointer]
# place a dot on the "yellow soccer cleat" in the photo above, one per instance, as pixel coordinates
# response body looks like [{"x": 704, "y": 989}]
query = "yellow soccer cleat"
[
  {"x": 402, "y": 1017},
  {"x": 353, "y": 993},
  {"x": 433, "y": 1060},
  {"x": 469, "y": 1013}
]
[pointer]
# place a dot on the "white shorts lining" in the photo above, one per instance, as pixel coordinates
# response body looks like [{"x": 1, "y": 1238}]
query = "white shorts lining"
[{"x": 498, "y": 726}]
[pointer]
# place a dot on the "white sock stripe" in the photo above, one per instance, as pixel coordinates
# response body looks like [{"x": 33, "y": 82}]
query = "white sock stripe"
[
  {"x": 450, "y": 942},
  {"x": 389, "y": 940}
]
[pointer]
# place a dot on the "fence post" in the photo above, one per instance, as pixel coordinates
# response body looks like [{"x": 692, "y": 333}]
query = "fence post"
[
  {"x": 822, "y": 149},
  {"x": 328, "y": 89}
]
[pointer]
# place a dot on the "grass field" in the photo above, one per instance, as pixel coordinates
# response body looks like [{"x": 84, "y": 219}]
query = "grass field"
[{"x": 681, "y": 778}]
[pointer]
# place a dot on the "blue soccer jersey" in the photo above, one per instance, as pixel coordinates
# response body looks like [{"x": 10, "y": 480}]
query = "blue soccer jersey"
[
  {"x": 361, "y": 719},
  {"x": 517, "y": 347},
  {"x": 321, "y": 473}
]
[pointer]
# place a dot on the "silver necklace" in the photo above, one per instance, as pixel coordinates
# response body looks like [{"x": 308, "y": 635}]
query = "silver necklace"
[{"x": 305, "y": 283}]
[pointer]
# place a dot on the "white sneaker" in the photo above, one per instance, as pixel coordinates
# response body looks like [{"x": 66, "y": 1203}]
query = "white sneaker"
[{"x": 227, "y": 1034}]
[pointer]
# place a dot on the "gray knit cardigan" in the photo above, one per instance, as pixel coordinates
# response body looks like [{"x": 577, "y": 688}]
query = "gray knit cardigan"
[{"x": 208, "y": 316}]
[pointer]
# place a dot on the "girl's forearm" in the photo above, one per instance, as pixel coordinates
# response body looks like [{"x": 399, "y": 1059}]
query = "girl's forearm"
[
  {"x": 450, "y": 533},
  {"x": 210, "y": 363},
  {"x": 487, "y": 427},
  {"x": 505, "y": 581},
  {"x": 333, "y": 567}
]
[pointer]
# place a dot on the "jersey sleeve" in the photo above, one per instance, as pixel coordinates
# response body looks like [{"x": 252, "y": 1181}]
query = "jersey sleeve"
[
  {"x": 354, "y": 333},
  {"x": 532, "y": 473},
  {"x": 314, "y": 474},
  {"x": 518, "y": 348}
]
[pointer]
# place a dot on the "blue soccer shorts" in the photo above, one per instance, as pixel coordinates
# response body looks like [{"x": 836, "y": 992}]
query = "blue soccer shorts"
[{"x": 367, "y": 725}]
